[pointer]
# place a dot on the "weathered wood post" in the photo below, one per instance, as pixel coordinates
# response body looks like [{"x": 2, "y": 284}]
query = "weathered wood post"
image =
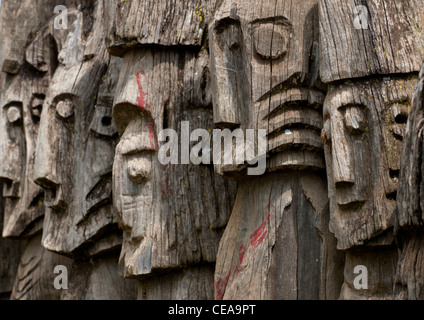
[
  {"x": 172, "y": 214},
  {"x": 369, "y": 56},
  {"x": 264, "y": 62}
]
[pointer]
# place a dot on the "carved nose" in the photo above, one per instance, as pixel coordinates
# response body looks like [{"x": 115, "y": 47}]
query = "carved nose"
[
  {"x": 138, "y": 169},
  {"x": 343, "y": 164},
  {"x": 45, "y": 166}
]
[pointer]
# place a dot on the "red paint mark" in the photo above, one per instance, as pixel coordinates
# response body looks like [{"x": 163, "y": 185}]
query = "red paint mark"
[
  {"x": 152, "y": 134},
  {"x": 259, "y": 234},
  {"x": 221, "y": 285},
  {"x": 142, "y": 104},
  {"x": 141, "y": 99},
  {"x": 242, "y": 252},
  {"x": 255, "y": 240}
]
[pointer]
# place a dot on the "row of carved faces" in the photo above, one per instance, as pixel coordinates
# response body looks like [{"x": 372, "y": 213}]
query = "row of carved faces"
[{"x": 59, "y": 138}]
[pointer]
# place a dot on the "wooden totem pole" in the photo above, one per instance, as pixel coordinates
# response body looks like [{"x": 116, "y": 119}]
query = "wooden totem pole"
[
  {"x": 369, "y": 56},
  {"x": 172, "y": 213},
  {"x": 409, "y": 231},
  {"x": 264, "y": 62},
  {"x": 73, "y": 159}
]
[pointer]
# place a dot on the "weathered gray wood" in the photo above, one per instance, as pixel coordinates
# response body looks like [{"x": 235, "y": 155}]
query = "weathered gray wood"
[
  {"x": 150, "y": 22},
  {"x": 391, "y": 44},
  {"x": 98, "y": 279},
  {"x": 264, "y": 67},
  {"x": 410, "y": 197},
  {"x": 364, "y": 127},
  {"x": 35, "y": 274},
  {"x": 172, "y": 215},
  {"x": 271, "y": 248},
  {"x": 409, "y": 214},
  {"x": 332, "y": 90},
  {"x": 74, "y": 153},
  {"x": 195, "y": 283},
  {"x": 89, "y": 228},
  {"x": 10, "y": 253},
  {"x": 381, "y": 265}
]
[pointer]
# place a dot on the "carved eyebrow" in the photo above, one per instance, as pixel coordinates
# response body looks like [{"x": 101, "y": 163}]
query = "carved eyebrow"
[
  {"x": 224, "y": 23},
  {"x": 63, "y": 96},
  {"x": 135, "y": 143},
  {"x": 276, "y": 20},
  {"x": 13, "y": 103},
  {"x": 361, "y": 106},
  {"x": 124, "y": 112}
]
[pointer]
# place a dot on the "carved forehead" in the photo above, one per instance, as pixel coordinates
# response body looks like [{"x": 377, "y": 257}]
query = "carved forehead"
[
  {"x": 265, "y": 11},
  {"x": 374, "y": 95},
  {"x": 141, "y": 88}
]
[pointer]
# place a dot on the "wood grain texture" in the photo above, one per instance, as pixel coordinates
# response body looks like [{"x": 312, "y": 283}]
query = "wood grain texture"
[
  {"x": 271, "y": 248},
  {"x": 409, "y": 214},
  {"x": 35, "y": 274},
  {"x": 167, "y": 23},
  {"x": 98, "y": 279},
  {"x": 75, "y": 148},
  {"x": 172, "y": 215},
  {"x": 10, "y": 254},
  {"x": 364, "y": 125},
  {"x": 264, "y": 67},
  {"x": 391, "y": 44}
]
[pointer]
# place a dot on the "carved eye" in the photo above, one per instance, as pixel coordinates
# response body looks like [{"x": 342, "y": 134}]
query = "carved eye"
[
  {"x": 354, "y": 119},
  {"x": 398, "y": 119},
  {"x": 229, "y": 31},
  {"x": 102, "y": 123},
  {"x": 65, "y": 109},
  {"x": 271, "y": 40},
  {"x": 14, "y": 114}
]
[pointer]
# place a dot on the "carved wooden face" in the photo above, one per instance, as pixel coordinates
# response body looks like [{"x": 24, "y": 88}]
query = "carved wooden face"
[
  {"x": 75, "y": 146},
  {"x": 20, "y": 108},
  {"x": 364, "y": 125},
  {"x": 19, "y": 121},
  {"x": 263, "y": 69},
  {"x": 158, "y": 206}
]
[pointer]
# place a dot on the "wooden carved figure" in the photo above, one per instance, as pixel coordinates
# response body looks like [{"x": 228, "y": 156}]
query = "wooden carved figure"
[
  {"x": 264, "y": 62},
  {"x": 371, "y": 65},
  {"x": 172, "y": 213}
]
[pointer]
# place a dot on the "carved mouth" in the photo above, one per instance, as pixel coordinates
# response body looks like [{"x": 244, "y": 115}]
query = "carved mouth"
[{"x": 352, "y": 205}]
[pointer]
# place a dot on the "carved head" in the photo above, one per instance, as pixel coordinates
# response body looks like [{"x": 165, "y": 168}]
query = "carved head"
[
  {"x": 19, "y": 121},
  {"x": 23, "y": 92},
  {"x": 364, "y": 125},
  {"x": 264, "y": 66},
  {"x": 170, "y": 214},
  {"x": 76, "y": 141}
]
